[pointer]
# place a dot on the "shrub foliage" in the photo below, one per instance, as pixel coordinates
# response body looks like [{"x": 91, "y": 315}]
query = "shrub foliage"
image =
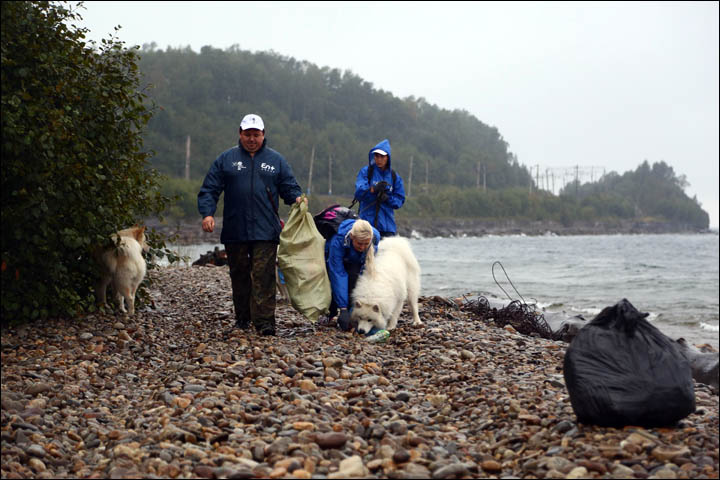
[{"x": 73, "y": 168}]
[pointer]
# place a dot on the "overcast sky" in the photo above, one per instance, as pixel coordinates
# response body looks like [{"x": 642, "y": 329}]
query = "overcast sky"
[{"x": 602, "y": 85}]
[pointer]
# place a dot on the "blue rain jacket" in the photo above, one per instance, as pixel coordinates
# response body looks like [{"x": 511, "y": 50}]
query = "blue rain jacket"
[
  {"x": 396, "y": 195},
  {"x": 339, "y": 250},
  {"x": 249, "y": 214}
]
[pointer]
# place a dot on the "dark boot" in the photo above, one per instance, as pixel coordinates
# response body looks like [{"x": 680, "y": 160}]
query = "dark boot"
[
  {"x": 242, "y": 324},
  {"x": 267, "y": 330}
]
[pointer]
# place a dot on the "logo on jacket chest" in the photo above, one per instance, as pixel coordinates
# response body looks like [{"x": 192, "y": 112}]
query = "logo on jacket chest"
[
  {"x": 239, "y": 165},
  {"x": 267, "y": 168}
]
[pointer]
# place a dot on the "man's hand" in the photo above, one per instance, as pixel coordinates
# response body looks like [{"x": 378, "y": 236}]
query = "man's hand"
[
  {"x": 208, "y": 224},
  {"x": 299, "y": 199}
]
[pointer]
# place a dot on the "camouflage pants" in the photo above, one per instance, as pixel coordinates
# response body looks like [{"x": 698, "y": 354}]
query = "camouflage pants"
[{"x": 252, "y": 273}]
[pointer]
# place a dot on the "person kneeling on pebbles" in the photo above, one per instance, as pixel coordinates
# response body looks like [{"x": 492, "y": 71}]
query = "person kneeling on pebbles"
[{"x": 347, "y": 253}]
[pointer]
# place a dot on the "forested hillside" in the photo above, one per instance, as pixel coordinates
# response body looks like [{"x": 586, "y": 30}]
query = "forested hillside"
[
  {"x": 205, "y": 95},
  {"x": 650, "y": 191},
  {"x": 461, "y": 167}
]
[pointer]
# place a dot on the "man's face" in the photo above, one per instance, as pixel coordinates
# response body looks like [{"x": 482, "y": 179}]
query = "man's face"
[
  {"x": 252, "y": 139},
  {"x": 380, "y": 160},
  {"x": 361, "y": 246}
]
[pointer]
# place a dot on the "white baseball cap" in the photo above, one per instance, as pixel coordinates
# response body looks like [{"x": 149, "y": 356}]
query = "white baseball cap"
[
  {"x": 252, "y": 121},
  {"x": 378, "y": 151}
]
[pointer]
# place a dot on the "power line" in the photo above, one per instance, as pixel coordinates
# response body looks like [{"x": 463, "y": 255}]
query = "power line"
[{"x": 554, "y": 179}]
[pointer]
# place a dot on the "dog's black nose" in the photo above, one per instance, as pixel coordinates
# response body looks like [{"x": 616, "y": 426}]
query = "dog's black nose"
[{"x": 361, "y": 331}]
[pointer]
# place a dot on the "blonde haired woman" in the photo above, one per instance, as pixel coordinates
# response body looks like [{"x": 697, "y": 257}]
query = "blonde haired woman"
[{"x": 347, "y": 254}]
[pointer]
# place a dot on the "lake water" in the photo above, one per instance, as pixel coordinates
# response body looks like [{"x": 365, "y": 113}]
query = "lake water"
[{"x": 672, "y": 277}]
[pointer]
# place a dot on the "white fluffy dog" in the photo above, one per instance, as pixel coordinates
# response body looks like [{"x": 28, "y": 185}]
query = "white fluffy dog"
[
  {"x": 381, "y": 291},
  {"x": 123, "y": 266}
]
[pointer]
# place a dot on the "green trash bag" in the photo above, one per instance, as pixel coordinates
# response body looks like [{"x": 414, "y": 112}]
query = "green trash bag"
[{"x": 301, "y": 257}]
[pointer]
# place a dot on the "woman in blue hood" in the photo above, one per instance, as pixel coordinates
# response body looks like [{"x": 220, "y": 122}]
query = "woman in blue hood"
[{"x": 380, "y": 191}]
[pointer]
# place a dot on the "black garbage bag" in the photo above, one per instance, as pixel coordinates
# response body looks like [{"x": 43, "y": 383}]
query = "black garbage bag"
[{"x": 621, "y": 370}]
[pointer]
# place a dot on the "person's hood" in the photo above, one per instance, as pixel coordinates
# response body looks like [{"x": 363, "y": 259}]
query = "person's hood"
[
  {"x": 345, "y": 227},
  {"x": 385, "y": 146}
]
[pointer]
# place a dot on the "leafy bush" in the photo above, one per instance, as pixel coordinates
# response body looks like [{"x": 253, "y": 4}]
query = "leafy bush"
[{"x": 73, "y": 169}]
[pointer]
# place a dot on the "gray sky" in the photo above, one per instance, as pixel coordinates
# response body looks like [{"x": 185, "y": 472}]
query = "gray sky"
[{"x": 593, "y": 84}]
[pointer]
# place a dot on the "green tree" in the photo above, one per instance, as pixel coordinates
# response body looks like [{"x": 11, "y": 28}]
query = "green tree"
[
  {"x": 205, "y": 94},
  {"x": 340, "y": 116},
  {"x": 73, "y": 169}
]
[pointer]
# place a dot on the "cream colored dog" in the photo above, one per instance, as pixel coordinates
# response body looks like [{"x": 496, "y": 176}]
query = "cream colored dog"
[
  {"x": 124, "y": 267},
  {"x": 379, "y": 294}
]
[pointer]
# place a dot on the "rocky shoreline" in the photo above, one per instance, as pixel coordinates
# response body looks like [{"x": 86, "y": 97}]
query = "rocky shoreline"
[
  {"x": 458, "y": 227},
  {"x": 189, "y": 232},
  {"x": 174, "y": 393}
]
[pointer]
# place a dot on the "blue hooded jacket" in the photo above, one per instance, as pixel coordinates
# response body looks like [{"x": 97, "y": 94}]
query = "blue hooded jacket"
[
  {"x": 395, "y": 197},
  {"x": 339, "y": 249},
  {"x": 249, "y": 183}
]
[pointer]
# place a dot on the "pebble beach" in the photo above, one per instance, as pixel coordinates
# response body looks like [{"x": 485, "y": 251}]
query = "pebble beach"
[{"x": 174, "y": 392}]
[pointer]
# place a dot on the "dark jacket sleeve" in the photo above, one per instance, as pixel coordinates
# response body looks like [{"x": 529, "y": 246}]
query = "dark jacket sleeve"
[
  {"x": 287, "y": 186},
  {"x": 212, "y": 187}
]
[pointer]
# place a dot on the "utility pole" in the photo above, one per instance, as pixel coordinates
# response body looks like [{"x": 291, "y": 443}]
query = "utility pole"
[
  {"x": 537, "y": 176},
  {"x": 187, "y": 158},
  {"x": 530, "y": 184},
  {"x": 426, "y": 175},
  {"x": 312, "y": 159},
  {"x": 604, "y": 177},
  {"x": 410, "y": 177},
  {"x": 577, "y": 181},
  {"x": 329, "y": 174},
  {"x": 477, "y": 176},
  {"x": 547, "y": 179},
  {"x": 484, "y": 184}
]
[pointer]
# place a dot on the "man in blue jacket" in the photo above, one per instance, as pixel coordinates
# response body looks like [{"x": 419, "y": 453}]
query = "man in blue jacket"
[
  {"x": 253, "y": 177},
  {"x": 380, "y": 191}
]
